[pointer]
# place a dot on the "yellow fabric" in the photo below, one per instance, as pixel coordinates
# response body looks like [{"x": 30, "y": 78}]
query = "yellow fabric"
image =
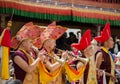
[
  {"x": 31, "y": 78},
  {"x": 0, "y": 40},
  {"x": 74, "y": 75},
  {"x": 112, "y": 65},
  {"x": 92, "y": 77},
  {"x": 46, "y": 76},
  {"x": 103, "y": 48},
  {"x": 5, "y": 63},
  {"x": 60, "y": 79}
]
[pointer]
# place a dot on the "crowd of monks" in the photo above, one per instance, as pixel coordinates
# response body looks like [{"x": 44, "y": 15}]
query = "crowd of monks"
[{"x": 36, "y": 62}]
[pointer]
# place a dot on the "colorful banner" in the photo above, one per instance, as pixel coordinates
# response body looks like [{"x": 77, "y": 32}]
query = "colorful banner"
[{"x": 59, "y": 13}]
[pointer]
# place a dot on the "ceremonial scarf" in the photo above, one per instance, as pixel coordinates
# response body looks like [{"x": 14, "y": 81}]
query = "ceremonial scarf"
[
  {"x": 92, "y": 77},
  {"x": 45, "y": 76},
  {"x": 74, "y": 75}
]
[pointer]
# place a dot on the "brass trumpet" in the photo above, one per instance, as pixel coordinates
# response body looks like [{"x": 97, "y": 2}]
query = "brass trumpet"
[
  {"x": 52, "y": 57},
  {"x": 59, "y": 60},
  {"x": 83, "y": 60}
]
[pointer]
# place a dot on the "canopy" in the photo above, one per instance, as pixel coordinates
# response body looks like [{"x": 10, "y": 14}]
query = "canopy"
[{"x": 51, "y": 12}]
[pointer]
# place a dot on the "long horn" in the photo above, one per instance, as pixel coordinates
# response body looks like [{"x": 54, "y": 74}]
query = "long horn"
[
  {"x": 83, "y": 60},
  {"x": 59, "y": 60},
  {"x": 55, "y": 58}
]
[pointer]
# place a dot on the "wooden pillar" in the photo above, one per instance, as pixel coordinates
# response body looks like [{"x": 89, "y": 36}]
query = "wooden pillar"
[
  {"x": 98, "y": 29},
  {"x": 2, "y": 25}
]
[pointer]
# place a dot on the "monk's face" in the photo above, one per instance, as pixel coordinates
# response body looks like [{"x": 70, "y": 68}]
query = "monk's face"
[
  {"x": 51, "y": 43},
  {"x": 89, "y": 51},
  {"x": 109, "y": 43},
  {"x": 28, "y": 44}
]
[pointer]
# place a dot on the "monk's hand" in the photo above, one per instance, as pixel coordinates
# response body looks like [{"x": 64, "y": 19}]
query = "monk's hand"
[
  {"x": 99, "y": 73},
  {"x": 113, "y": 78},
  {"x": 41, "y": 55},
  {"x": 64, "y": 55}
]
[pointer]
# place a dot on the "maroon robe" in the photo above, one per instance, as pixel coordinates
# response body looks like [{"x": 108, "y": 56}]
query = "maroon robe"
[
  {"x": 19, "y": 73},
  {"x": 105, "y": 65}
]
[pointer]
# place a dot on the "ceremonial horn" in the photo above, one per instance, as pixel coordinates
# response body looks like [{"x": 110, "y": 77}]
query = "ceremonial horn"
[
  {"x": 55, "y": 57},
  {"x": 83, "y": 60}
]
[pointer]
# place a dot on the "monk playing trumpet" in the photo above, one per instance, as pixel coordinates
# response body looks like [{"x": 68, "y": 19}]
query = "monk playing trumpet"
[
  {"x": 51, "y": 67},
  {"x": 26, "y": 68}
]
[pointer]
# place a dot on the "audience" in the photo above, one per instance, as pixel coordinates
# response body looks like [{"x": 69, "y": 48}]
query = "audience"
[{"x": 13, "y": 82}]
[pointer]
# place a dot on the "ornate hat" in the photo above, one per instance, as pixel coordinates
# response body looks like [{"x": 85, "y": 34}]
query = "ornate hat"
[
  {"x": 53, "y": 24},
  {"x": 51, "y": 32},
  {"x": 27, "y": 31},
  {"x": 105, "y": 34},
  {"x": 84, "y": 42}
]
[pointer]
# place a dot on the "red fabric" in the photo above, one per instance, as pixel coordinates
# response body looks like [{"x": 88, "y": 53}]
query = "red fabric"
[
  {"x": 105, "y": 35},
  {"x": 5, "y": 41},
  {"x": 84, "y": 42}
]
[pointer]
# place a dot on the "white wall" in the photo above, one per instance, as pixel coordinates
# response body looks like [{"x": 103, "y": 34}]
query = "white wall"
[{"x": 75, "y": 32}]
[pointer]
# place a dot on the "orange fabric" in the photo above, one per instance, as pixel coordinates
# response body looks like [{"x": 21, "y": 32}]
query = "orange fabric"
[
  {"x": 74, "y": 75},
  {"x": 46, "y": 76}
]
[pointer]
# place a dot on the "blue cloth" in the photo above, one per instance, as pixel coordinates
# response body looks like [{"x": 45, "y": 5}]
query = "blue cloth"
[{"x": 113, "y": 57}]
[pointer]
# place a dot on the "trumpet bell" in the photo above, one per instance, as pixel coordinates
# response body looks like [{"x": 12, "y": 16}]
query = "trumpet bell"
[
  {"x": 60, "y": 60},
  {"x": 83, "y": 60}
]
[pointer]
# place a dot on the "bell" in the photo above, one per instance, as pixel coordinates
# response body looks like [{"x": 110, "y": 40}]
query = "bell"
[
  {"x": 83, "y": 60},
  {"x": 60, "y": 60}
]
